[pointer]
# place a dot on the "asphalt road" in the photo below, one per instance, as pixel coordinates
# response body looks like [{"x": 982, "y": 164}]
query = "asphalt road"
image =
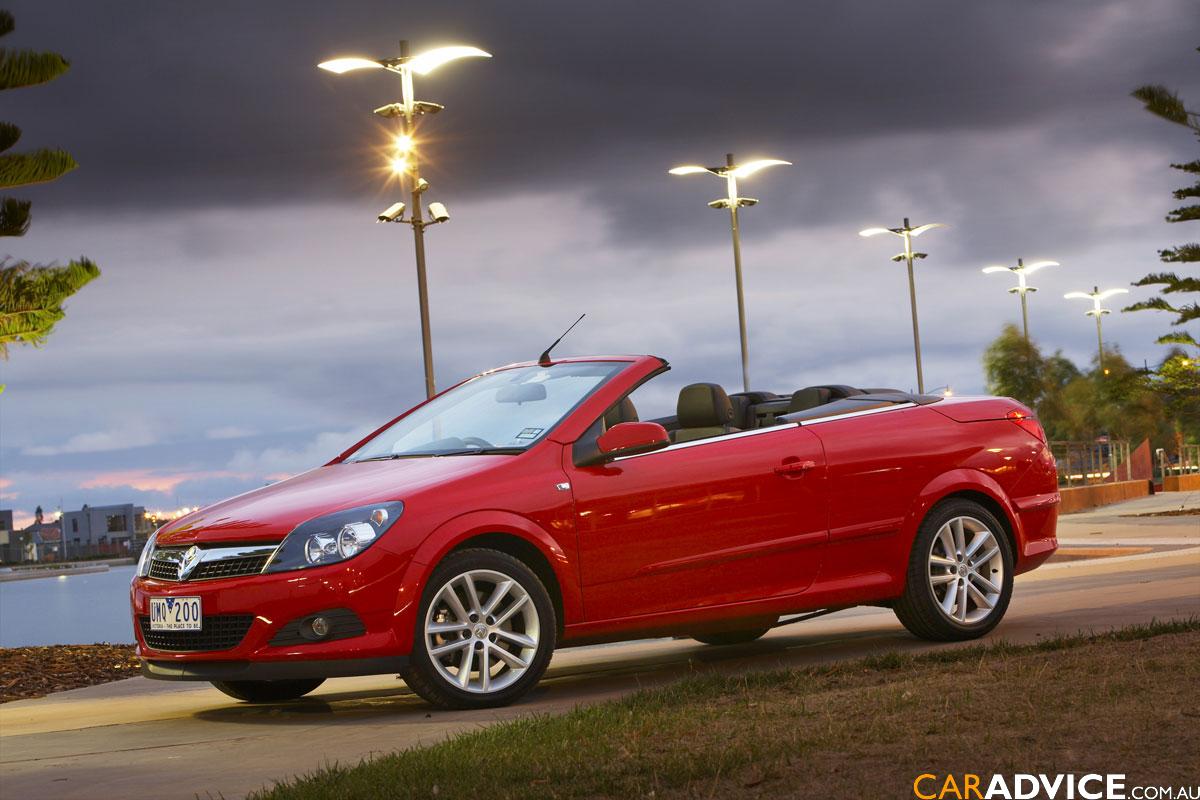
[{"x": 146, "y": 739}]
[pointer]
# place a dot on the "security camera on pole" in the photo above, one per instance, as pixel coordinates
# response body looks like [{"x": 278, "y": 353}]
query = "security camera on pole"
[{"x": 405, "y": 162}]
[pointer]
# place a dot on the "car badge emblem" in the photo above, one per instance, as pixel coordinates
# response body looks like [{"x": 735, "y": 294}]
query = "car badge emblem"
[{"x": 188, "y": 562}]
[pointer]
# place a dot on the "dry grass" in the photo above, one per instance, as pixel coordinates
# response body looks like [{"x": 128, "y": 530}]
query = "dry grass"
[{"x": 1121, "y": 702}]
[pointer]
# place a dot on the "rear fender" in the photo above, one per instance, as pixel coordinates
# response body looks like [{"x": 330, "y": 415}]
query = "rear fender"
[{"x": 954, "y": 482}]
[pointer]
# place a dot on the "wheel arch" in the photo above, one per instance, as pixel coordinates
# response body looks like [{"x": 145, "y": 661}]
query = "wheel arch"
[
  {"x": 518, "y": 536},
  {"x": 527, "y": 553},
  {"x": 967, "y": 485}
]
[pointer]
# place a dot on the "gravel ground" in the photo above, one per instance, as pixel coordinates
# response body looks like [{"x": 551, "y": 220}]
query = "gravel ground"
[{"x": 27, "y": 672}]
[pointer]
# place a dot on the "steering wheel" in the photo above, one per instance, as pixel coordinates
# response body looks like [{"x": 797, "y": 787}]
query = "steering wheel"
[{"x": 475, "y": 441}]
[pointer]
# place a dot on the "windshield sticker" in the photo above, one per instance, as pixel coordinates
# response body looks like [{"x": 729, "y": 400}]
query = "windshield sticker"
[{"x": 530, "y": 433}]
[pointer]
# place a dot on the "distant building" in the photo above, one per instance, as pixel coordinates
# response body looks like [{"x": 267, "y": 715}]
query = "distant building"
[
  {"x": 103, "y": 528},
  {"x": 8, "y": 546}
]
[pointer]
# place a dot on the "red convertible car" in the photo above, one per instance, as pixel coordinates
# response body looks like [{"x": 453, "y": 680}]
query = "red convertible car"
[{"x": 529, "y": 508}]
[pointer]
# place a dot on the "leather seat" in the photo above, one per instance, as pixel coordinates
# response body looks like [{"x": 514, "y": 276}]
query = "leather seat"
[
  {"x": 810, "y": 397},
  {"x": 704, "y": 410},
  {"x": 621, "y": 412}
]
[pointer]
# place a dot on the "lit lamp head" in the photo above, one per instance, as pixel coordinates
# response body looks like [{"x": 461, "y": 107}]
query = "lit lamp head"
[
  {"x": 1097, "y": 297},
  {"x": 730, "y": 173},
  {"x": 905, "y": 232},
  {"x": 1021, "y": 270}
]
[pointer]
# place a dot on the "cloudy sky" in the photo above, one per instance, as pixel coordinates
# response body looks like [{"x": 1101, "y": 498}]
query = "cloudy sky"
[{"x": 252, "y": 319}]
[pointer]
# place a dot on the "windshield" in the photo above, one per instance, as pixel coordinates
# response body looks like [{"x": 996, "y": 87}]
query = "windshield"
[{"x": 500, "y": 412}]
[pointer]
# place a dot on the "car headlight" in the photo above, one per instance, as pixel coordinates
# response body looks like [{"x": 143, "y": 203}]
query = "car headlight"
[
  {"x": 334, "y": 537},
  {"x": 143, "y": 567}
]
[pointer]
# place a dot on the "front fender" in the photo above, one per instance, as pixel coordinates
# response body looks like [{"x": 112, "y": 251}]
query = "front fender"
[{"x": 454, "y": 532}]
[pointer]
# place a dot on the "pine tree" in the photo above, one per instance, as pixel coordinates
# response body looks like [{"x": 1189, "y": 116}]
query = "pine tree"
[
  {"x": 1162, "y": 102},
  {"x": 31, "y": 296},
  {"x": 1177, "y": 378}
]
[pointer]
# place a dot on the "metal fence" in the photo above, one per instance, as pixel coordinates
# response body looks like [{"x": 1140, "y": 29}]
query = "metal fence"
[
  {"x": 1185, "y": 462},
  {"x": 1084, "y": 463}
]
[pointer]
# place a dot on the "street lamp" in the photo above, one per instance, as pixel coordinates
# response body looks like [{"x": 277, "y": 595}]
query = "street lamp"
[
  {"x": 1022, "y": 288},
  {"x": 1097, "y": 311},
  {"x": 730, "y": 172},
  {"x": 907, "y": 232},
  {"x": 405, "y": 161}
]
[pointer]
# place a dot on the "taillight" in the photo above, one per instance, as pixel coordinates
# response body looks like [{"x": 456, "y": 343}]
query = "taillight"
[{"x": 1028, "y": 423}]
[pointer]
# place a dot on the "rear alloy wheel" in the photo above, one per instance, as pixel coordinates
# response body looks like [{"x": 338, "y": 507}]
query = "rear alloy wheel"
[
  {"x": 959, "y": 575},
  {"x": 730, "y": 637},
  {"x": 268, "y": 691},
  {"x": 485, "y": 632}
]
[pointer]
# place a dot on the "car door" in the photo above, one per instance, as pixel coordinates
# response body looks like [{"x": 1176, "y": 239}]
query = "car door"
[{"x": 723, "y": 520}]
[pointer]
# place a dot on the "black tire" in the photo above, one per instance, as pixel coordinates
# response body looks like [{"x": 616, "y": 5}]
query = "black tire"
[
  {"x": 421, "y": 674},
  {"x": 268, "y": 691},
  {"x": 919, "y": 608},
  {"x": 730, "y": 637}
]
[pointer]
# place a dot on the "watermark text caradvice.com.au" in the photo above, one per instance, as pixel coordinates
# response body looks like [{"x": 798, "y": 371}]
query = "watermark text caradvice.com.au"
[{"x": 1062, "y": 786}]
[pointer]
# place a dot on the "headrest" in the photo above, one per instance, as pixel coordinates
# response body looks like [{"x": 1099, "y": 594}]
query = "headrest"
[
  {"x": 704, "y": 405},
  {"x": 810, "y": 397},
  {"x": 621, "y": 412}
]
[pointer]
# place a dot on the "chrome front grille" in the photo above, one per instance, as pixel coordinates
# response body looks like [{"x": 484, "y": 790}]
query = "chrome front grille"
[
  {"x": 164, "y": 570},
  {"x": 199, "y": 564}
]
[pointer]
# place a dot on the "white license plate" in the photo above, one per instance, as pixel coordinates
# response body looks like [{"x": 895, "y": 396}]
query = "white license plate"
[{"x": 175, "y": 614}]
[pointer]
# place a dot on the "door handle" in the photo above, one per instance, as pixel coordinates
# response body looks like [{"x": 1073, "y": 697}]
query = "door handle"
[{"x": 794, "y": 469}]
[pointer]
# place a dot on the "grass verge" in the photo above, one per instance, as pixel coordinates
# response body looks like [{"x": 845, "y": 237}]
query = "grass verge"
[{"x": 1116, "y": 702}]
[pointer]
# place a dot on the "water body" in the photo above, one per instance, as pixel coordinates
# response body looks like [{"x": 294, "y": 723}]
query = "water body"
[{"x": 71, "y": 609}]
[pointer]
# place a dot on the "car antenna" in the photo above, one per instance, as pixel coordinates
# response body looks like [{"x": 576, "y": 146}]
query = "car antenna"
[{"x": 544, "y": 359}]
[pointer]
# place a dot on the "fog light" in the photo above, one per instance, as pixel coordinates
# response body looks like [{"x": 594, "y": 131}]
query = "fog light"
[{"x": 320, "y": 627}]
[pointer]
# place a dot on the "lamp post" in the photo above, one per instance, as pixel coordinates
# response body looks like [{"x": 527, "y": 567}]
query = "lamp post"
[
  {"x": 1097, "y": 311},
  {"x": 730, "y": 172},
  {"x": 907, "y": 232},
  {"x": 1021, "y": 270},
  {"x": 406, "y": 162}
]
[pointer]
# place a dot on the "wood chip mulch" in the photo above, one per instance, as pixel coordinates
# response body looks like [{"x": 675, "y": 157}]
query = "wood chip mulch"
[{"x": 27, "y": 672}]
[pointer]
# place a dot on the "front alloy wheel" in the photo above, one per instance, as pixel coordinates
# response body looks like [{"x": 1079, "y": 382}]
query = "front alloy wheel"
[
  {"x": 485, "y": 633},
  {"x": 960, "y": 574}
]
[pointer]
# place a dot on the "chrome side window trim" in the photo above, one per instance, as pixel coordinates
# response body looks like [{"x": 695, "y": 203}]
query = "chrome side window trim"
[
  {"x": 772, "y": 429},
  {"x": 849, "y": 414},
  {"x": 723, "y": 438}
]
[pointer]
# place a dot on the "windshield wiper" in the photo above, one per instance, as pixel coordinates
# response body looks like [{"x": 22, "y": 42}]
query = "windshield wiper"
[
  {"x": 484, "y": 451},
  {"x": 394, "y": 456}
]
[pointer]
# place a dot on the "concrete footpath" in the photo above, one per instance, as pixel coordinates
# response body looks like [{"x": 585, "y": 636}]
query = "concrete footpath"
[{"x": 146, "y": 739}]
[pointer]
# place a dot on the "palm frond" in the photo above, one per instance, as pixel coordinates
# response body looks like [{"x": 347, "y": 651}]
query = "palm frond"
[
  {"x": 1181, "y": 337},
  {"x": 1153, "y": 304},
  {"x": 19, "y": 68},
  {"x": 14, "y": 216},
  {"x": 31, "y": 298},
  {"x": 1184, "y": 253},
  {"x": 7, "y": 23},
  {"x": 9, "y": 134},
  {"x": 1162, "y": 102},
  {"x": 1184, "y": 214},
  {"x": 21, "y": 169}
]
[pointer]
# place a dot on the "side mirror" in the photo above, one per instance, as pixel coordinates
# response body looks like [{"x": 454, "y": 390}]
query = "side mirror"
[{"x": 632, "y": 438}]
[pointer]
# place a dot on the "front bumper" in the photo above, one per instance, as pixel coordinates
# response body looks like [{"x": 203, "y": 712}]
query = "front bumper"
[{"x": 372, "y": 586}]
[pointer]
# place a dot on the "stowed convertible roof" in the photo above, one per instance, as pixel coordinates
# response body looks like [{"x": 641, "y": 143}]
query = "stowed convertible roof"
[{"x": 860, "y": 402}]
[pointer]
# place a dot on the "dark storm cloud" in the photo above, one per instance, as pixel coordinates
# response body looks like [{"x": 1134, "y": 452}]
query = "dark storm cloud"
[
  {"x": 252, "y": 318},
  {"x": 173, "y": 104}
]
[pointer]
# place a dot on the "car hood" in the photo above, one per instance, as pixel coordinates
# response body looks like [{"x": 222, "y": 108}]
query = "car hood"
[{"x": 270, "y": 513}]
